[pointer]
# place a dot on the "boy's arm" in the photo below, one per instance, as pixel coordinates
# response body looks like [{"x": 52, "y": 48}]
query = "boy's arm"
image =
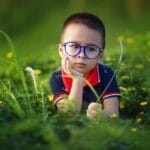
[
  {"x": 74, "y": 97},
  {"x": 76, "y": 93},
  {"x": 111, "y": 106}
]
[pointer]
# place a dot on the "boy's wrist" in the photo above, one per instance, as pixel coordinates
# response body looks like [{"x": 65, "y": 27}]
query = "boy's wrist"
[{"x": 76, "y": 76}]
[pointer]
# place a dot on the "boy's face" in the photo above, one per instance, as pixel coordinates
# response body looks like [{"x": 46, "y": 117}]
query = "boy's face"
[{"x": 84, "y": 36}]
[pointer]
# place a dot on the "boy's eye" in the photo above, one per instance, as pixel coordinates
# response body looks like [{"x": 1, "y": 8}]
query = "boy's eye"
[
  {"x": 91, "y": 48},
  {"x": 74, "y": 46}
]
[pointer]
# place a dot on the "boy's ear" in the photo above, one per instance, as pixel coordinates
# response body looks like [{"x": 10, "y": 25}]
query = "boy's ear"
[
  {"x": 60, "y": 50},
  {"x": 101, "y": 55}
]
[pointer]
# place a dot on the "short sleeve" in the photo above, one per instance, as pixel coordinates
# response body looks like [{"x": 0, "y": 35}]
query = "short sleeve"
[
  {"x": 109, "y": 83},
  {"x": 57, "y": 86}
]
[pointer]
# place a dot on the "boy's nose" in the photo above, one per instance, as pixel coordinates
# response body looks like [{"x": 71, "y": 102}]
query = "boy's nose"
[{"x": 81, "y": 54}]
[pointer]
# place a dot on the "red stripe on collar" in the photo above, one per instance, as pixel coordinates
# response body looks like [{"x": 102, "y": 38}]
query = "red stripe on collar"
[{"x": 93, "y": 79}]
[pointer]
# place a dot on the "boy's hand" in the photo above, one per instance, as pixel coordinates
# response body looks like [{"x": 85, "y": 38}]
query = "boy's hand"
[
  {"x": 67, "y": 68},
  {"x": 94, "y": 111}
]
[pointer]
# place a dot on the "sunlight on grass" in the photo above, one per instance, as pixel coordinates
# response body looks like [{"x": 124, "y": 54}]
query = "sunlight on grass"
[
  {"x": 29, "y": 118},
  {"x": 43, "y": 121}
]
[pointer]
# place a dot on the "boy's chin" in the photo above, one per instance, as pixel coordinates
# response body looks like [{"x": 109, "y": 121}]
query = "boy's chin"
[{"x": 80, "y": 70}]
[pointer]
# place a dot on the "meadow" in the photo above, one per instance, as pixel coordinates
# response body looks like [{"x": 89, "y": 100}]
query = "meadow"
[{"x": 28, "y": 118}]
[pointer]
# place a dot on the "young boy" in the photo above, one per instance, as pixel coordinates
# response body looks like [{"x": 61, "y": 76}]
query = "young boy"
[{"x": 81, "y": 49}]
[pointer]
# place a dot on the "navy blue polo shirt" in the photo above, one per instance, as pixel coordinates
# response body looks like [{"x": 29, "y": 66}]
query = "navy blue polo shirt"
[{"x": 99, "y": 78}]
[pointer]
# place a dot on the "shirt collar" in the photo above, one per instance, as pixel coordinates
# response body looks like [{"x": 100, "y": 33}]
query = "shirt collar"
[{"x": 93, "y": 79}]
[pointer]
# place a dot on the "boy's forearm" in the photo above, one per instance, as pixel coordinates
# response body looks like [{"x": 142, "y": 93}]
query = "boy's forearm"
[
  {"x": 108, "y": 113},
  {"x": 76, "y": 93},
  {"x": 111, "y": 106}
]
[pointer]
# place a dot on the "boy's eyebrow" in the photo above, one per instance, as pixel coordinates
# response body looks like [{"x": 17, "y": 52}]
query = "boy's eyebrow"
[{"x": 88, "y": 43}]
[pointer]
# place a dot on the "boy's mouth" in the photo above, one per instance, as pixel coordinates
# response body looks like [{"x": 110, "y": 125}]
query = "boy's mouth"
[{"x": 80, "y": 65}]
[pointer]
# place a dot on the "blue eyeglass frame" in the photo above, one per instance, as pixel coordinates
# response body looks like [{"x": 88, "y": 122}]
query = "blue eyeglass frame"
[{"x": 84, "y": 48}]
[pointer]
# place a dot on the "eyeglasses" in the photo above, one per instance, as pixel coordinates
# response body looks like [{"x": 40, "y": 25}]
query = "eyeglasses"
[{"x": 90, "y": 51}]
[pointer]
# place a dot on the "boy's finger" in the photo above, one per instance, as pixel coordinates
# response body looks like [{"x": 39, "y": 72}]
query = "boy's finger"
[
  {"x": 89, "y": 115},
  {"x": 67, "y": 66},
  {"x": 94, "y": 106},
  {"x": 92, "y": 114}
]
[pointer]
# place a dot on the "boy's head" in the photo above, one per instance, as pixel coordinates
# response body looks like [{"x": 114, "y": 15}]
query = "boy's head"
[
  {"x": 89, "y": 20},
  {"x": 82, "y": 42}
]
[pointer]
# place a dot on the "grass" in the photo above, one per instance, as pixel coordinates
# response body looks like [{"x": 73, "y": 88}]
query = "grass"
[{"x": 29, "y": 119}]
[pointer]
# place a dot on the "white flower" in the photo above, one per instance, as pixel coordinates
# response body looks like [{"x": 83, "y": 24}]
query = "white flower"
[{"x": 31, "y": 71}]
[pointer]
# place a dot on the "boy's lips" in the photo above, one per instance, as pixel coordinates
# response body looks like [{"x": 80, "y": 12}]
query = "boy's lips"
[{"x": 80, "y": 65}]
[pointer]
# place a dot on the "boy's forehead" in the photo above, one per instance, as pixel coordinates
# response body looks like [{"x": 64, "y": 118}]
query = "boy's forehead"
[
  {"x": 80, "y": 25},
  {"x": 81, "y": 33}
]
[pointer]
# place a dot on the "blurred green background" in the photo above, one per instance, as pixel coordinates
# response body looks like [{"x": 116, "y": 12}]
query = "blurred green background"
[{"x": 35, "y": 25}]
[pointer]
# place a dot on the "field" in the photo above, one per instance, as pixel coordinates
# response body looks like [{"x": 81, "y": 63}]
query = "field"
[{"x": 28, "y": 118}]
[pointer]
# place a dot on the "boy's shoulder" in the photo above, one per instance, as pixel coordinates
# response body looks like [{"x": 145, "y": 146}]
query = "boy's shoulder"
[
  {"x": 106, "y": 73},
  {"x": 104, "y": 68},
  {"x": 56, "y": 74}
]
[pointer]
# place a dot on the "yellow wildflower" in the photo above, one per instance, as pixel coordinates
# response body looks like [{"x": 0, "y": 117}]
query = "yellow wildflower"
[
  {"x": 1, "y": 102},
  {"x": 138, "y": 120},
  {"x": 139, "y": 66},
  {"x": 148, "y": 59},
  {"x": 38, "y": 71},
  {"x": 148, "y": 43},
  {"x": 9, "y": 55},
  {"x": 141, "y": 113},
  {"x": 123, "y": 66},
  {"x": 50, "y": 97},
  {"x": 113, "y": 115},
  {"x": 134, "y": 129},
  {"x": 123, "y": 89},
  {"x": 129, "y": 40},
  {"x": 143, "y": 103},
  {"x": 107, "y": 58},
  {"x": 122, "y": 106},
  {"x": 120, "y": 38}
]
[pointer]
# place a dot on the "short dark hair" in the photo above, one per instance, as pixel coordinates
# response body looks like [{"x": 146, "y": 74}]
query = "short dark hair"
[{"x": 88, "y": 19}]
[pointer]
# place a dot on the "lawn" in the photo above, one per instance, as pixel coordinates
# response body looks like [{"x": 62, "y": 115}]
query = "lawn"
[{"x": 28, "y": 118}]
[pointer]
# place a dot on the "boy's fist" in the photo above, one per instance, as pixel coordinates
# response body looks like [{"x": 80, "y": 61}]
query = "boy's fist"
[{"x": 94, "y": 110}]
